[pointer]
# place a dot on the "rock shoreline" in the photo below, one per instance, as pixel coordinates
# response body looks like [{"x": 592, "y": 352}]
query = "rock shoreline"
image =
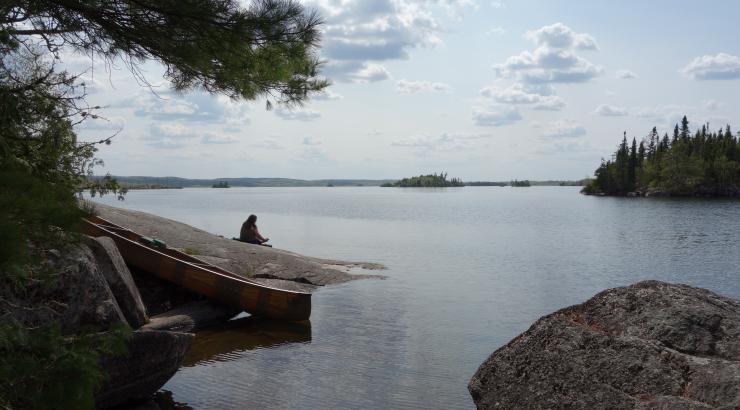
[
  {"x": 160, "y": 341},
  {"x": 95, "y": 289},
  {"x": 271, "y": 266},
  {"x": 651, "y": 345},
  {"x": 700, "y": 192}
]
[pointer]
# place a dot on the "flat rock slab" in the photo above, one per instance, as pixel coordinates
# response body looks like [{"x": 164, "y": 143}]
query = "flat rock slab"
[
  {"x": 265, "y": 264},
  {"x": 652, "y": 345}
]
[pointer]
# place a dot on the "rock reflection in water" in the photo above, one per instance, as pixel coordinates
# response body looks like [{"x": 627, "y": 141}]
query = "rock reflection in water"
[
  {"x": 225, "y": 343},
  {"x": 163, "y": 400}
]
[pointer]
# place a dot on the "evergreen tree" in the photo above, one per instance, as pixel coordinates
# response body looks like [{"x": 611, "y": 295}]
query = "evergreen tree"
[
  {"x": 702, "y": 163},
  {"x": 676, "y": 134},
  {"x": 266, "y": 50},
  {"x": 684, "y": 134},
  {"x": 632, "y": 166}
]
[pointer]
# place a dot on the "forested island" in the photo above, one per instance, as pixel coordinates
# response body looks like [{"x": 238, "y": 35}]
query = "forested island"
[
  {"x": 521, "y": 184},
  {"x": 427, "y": 181},
  {"x": 701, "y": 164},
  {"x": 221, "y": 184}
]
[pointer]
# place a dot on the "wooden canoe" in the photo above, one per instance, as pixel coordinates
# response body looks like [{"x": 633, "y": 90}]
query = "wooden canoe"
[{"x": 202, "y": 277}]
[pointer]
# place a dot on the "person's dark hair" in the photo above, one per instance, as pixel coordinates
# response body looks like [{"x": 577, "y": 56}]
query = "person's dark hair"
[{"x": 251, "y": 221}]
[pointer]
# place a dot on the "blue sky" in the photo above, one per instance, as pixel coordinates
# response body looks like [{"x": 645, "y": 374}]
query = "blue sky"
[{"x": 484, "y": 90}]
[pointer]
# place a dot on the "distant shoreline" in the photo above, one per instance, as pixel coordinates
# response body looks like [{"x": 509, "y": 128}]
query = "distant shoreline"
[{"x": 147, "y": 182}]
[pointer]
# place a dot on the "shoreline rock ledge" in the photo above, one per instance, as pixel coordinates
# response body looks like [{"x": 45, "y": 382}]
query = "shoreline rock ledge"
[
  {"x": 651, "y": 345},
  {"x": 270, "y": 266}
]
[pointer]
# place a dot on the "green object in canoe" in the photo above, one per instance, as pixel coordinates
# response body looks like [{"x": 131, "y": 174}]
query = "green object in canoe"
[{"x": 153, "y": 242}]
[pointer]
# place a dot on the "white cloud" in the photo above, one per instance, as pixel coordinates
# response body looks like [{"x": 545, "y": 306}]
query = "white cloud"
[
  {"x": 314, "y": 154},
  {"x": 560, "y": 36},
  {"x": 414, "y": 87},
  {"x": 327, "y": 95},
  {"x": 310, "y": 141},
  {"x": 712, "y": 105},
  {"x": 270, "y": 143},
  {"x": 495, "y": 116},
  {"x": 667, "y": 116},
  {"x": 497, "y": 30},
  {"x": 554, "y": 60},
  {"x": 297, "y": 114},
  {"x": 606, "y": 110},
  {"x": 563, "y": 129},
  {"x": 359, "y": 34},
  {"x": 169, "y": 135},
  {"x": 521, "y": 94},
  {"x": 719, "y": 67},
  {"x": 218, "y": 139},
  {"x": 356, "y": 72},
  {"x": 444, "y": 142},
  {"x": 191, "y": 107},
  {"x": 626, "y": 75},
  {"x": 569, "y": 149}
]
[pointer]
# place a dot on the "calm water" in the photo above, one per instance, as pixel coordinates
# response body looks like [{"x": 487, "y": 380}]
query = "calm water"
[{"x": 469, "y": 268}]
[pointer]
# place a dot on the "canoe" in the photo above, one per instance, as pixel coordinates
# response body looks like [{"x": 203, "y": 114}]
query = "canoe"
[{"x": 202, "y": 277}]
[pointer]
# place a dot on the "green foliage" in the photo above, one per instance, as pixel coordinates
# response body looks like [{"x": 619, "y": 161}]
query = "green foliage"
[
  {"x": 221, "y": 184},
  {"x": 42, "y": 166},
  {"x": 266, "y": 50},
  {"x": 428, "y": 181},
  {"x": 520, "y": 184},
  {"x": 44, "y": 369},
  {"x": 706, "y": 163}
]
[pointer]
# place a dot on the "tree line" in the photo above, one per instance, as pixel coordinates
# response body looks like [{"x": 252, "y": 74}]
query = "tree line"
[
  {"x": 427, "y": 181},
  {"x": 685, "y": 164}
]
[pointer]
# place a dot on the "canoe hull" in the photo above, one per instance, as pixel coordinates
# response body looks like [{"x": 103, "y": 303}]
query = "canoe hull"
[{"x": 203, "y": 278}]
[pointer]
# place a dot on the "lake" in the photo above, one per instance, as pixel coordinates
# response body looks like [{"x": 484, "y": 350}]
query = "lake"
[{"x": 468, "y": 269}]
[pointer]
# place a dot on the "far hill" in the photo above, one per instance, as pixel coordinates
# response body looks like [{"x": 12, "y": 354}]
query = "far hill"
[{"x": 176, "y": 182}]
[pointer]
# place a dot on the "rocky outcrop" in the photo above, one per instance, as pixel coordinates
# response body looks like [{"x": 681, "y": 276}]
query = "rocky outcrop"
[
  {"x": 652, "y": 345},
  {"x": 77, "y": 295},
  {"x": 153, "y": 358},
  {"x": 116, "y": 273},
  {"x": 267, "y": 265},
  {"x": 88, "y": 284}
]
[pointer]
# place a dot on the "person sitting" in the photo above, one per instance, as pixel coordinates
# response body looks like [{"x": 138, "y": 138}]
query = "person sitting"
[{"x": 249, "y": 232}]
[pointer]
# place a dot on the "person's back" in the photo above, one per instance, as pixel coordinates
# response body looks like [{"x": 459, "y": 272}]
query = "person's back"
[{"x": 249, "y": 232}]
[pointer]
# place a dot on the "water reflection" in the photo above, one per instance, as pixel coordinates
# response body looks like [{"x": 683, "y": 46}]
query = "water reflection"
[
  {"x": 164, "y": 401},
  {"x": 228, "y": 341}
]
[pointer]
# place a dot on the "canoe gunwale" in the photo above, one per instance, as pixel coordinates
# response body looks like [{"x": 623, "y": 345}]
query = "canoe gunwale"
[{"x": 173, "y": 257}]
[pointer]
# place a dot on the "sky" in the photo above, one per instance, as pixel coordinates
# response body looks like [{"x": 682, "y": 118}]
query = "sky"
[{"x": 485, "y": 90}]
